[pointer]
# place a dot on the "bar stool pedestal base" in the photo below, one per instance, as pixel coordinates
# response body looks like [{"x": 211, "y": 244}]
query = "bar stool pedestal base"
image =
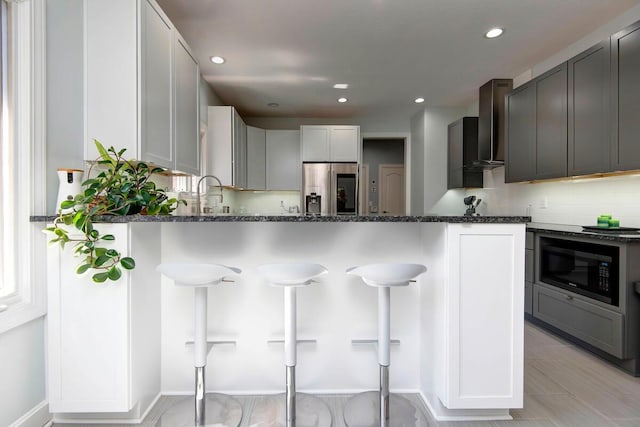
[
  {"x": 363, "y": 410},
  {"x": 221, "y": 411},
  {"x": 270, "y": 411}
]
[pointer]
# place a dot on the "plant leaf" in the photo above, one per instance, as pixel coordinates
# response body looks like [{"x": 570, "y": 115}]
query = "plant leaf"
[
  {"x": 108, "y": 237},
  {"x": 67, "y": 204},
  {"x": 112, "y": 253},
  {"x": 128, "y": 263},
  {"x": 114, "y": 273},
  {"x": 101, "y": 260},
  {"x": 103, "y": 153},
  {"x": 100, "y": 277},
  {"x": 83, "y": 268}
]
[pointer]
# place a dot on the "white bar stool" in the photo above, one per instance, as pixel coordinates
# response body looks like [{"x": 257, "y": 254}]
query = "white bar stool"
[
  {"x": 375, "y": 408},
  {"x": 300, "y": 409},
  {"x": 213, "y": 409}
]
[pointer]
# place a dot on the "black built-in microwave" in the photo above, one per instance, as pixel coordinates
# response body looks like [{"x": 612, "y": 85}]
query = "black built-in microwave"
[{"x": 589, "y": 269}]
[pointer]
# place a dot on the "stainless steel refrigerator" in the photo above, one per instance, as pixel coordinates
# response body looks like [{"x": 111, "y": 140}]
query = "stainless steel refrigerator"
[{"x": 330, "y": 188}]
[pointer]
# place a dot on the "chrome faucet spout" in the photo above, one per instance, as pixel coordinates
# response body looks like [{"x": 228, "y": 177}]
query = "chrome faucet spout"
[{"x": 205, "y": 191}]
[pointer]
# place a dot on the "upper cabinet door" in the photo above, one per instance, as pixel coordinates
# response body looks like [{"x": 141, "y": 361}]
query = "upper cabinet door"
[
  {"x": 345, "y": 141},
  {"x": 186, "y": 110},
  {"x": 521, "y": 134},
  {"x": 111, "y": 85},
  {"x": 625, "y": 67},
  {"x": 284, "y": 170},
  {"x": 156, "y": 86},
  {"x": 315, "y": 143},
  {"x": 589, "y": 110},
  {"x": 551, "y": 123},
  {"x": 256, "y": 158},
  {"x": 239, "y": 151}
]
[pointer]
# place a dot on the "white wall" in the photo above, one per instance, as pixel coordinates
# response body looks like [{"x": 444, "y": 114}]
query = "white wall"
[
  {"x": 576, "y": 201},
  {"x": 429, "y": 139},
  {"x": 22, "y": 370}
]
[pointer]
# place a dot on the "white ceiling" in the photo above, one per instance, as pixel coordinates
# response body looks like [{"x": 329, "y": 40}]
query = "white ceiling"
[{"x": 291, "y": 52}]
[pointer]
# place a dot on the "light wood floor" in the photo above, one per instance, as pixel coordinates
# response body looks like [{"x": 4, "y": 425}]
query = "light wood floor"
[{"x": 563, "y": 386}]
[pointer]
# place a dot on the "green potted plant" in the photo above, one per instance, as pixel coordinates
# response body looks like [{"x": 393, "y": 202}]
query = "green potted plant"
[{"x": 122, "y": 187}]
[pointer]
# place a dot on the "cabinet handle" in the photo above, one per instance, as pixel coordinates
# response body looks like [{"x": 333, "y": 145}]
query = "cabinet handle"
[{"x": 569, "y": 297}]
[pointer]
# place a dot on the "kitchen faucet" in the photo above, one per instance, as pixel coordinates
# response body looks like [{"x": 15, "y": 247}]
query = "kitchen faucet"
[{"x": 205, "y": 192}]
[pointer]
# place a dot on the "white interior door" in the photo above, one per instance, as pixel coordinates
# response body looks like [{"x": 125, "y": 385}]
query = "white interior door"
[{"x": 391, "y": 189}]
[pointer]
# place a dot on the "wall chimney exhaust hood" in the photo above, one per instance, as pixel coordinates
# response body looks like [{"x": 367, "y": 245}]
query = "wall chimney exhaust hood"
[{"x": 491, "y": 123}]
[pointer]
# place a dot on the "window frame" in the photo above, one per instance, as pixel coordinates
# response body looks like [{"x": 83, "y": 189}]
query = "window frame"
[{"x": 26, "y": 46}]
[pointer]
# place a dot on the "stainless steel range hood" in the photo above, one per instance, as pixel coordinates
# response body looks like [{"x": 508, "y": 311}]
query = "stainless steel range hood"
[{"x": 491, "y": 123}]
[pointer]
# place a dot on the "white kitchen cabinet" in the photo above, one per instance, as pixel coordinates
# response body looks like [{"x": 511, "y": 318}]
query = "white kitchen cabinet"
[
  {"x": 283, "y": 160},
  {"x": 186, "y": 108},
  {"x": 156, "y": 87},
  {"x": 140, "y": 81},
  {"x": 227, "y": 146},
  {"x": 256, "y": 158},
  {"x": 104, "y": 339},
  {"x": 330, "y": 143},
  {"x": 483, "y": 357}
]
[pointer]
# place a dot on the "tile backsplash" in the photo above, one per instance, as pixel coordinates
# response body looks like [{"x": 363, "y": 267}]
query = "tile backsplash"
[{"x": 576, "y": 201}]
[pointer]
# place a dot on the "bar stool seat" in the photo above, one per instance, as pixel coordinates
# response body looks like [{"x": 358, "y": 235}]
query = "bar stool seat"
[
  {"x": 372, "y": 409},
  {"x": 290, "y": 409},
  {"x": 203, "y": 409}
]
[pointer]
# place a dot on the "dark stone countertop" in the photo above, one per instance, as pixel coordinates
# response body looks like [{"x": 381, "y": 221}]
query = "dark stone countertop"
[
  {"x": 303, "y": 218},
  {"x": 577, "y": 231}
]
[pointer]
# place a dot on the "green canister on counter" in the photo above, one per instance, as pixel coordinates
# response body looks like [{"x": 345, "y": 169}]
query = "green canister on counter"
[
  {"x": 603, "y": 221},
  {"x": 614, "y": 223}
]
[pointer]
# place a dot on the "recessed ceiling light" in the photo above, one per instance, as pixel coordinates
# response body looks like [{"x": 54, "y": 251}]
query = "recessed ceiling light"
[
  {"x": 341, "y": 86},
  {"x": 341, "y": 100},
  {"x": 493, "y": 33},
  {"x": 217, "y": 59},
  {"x": 273, "y": 104},
  {"x": 419, "y": 100}
]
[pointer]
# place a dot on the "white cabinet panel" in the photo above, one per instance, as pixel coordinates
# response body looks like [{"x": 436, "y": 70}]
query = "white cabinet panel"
[
  {"x": 187, "y": 116},
  {"x": 256, "y": 158},
  {"x": 315, "y": 143},
  {"x": 111, "y": 92},
  {"x": 104, "y": 339},
  {"x": 345, "y": 141},
  {"x": 283, "y": 160},
  {"x": 156, "y": 87},
  {"x": 330, "y": 143},
  {"x": 485, "y": 322},
  {"x": 227, "y": 146}
]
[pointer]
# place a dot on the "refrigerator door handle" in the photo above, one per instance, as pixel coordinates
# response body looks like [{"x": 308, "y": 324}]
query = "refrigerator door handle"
[{"x": 332, "y": 193}]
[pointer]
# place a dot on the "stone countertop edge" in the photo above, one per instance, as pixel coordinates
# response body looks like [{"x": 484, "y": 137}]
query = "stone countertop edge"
[
  {"x": 302, "y": 218},
  {"x": 576, "y": 231}
]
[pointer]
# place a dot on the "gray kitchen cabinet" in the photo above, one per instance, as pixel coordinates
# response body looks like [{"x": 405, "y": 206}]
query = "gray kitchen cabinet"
[
  {"x": 537, "y": 128},
  {"x": 186, "y": 110},
  {"x": 521, "y": 133},
  {"x": 330, "y": 143},
  {"x": 589, "y": 110},
  {"x": 283, "y": 166},
  {"x": 529, "y": 273},
  {"x": 574, "y": 315},
  {"x": 140, "y": 89},
  {"x": 462, "y": 149},
  {"x": 226, "y": 156},
  {"x": 551, "y": 123},
  {"x": 625, "y": 73},
  {"x": 256, "y": 158}
]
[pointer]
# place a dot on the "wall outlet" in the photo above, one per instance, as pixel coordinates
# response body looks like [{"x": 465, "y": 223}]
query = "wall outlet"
[{"x": 544, "y": 203}]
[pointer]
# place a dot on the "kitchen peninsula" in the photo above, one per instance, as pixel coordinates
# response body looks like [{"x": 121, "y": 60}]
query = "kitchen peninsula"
[{"x": 460, "y": 327}]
